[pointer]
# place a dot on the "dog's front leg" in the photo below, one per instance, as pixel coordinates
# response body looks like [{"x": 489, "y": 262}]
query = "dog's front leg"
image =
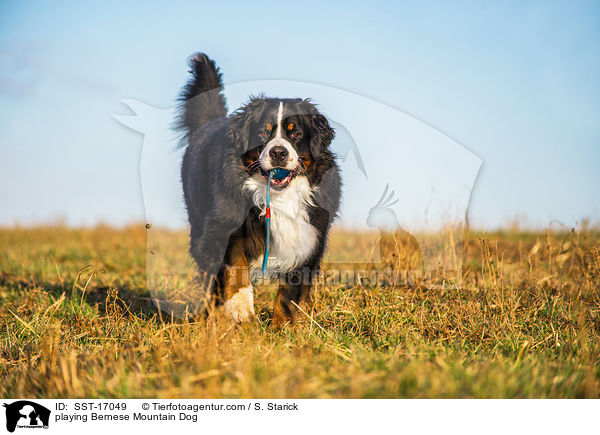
[
  {"x": 294, "y": 290},
  {"x": 237, "y": 289}
]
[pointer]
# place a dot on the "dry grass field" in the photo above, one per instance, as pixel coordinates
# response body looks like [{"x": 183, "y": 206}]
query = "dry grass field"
[{"x": 77, "y": 320}]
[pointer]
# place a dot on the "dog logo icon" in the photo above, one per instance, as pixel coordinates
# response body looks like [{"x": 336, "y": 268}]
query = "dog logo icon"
[
  {"x": 399, "y": 249},
  {"x": 26, "y": 414}
]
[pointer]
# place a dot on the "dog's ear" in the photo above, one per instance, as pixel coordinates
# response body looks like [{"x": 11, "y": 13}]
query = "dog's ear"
[
  {"x": 321, "y": 134},
  {"x": 238, "y": 129},
  {"x": 244, "y": 120}
]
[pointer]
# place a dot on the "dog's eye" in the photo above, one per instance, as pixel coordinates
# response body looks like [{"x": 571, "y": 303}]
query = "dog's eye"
[
  {"x": 296, "y": 134},
  {"x": 263, "y": 134}
]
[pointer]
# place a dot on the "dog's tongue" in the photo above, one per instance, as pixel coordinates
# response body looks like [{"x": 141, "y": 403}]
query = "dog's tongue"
[{"x": 280, "y": 173}]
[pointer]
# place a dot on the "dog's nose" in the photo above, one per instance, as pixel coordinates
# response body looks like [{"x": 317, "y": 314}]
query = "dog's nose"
[{"x": 278, "y": 155}]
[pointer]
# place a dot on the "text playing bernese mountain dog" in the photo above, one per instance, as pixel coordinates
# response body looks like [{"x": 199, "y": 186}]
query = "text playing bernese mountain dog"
[{"x": 224, "y": 174}]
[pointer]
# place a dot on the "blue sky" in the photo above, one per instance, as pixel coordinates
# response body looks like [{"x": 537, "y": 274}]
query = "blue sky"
[{"x": 516, "y": 83}]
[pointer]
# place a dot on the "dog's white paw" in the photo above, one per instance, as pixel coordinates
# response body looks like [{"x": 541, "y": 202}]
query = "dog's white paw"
[{"x": 241, "y": 306}]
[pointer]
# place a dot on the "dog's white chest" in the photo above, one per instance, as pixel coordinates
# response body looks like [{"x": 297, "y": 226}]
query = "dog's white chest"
[{"x": 293, "y": 238}]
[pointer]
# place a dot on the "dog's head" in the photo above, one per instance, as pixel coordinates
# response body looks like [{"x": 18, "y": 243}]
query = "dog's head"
[{"x": 285, "y": 135}]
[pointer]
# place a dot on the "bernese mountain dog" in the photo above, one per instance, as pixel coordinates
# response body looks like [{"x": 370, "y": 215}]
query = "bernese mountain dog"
[{"x": 224, "y": 173}]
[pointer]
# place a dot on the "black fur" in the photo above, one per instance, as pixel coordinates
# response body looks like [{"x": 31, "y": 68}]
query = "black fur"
[
  {"x": 202, "y": 98},
  {"x": 221, "y": 155}
]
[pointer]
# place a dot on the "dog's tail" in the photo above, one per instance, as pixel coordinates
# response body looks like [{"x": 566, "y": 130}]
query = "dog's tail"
[{"x": 201, "y": 99}]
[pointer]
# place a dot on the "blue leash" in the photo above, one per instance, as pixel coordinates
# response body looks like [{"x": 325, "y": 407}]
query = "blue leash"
[{"x": 268, "y": 223}]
